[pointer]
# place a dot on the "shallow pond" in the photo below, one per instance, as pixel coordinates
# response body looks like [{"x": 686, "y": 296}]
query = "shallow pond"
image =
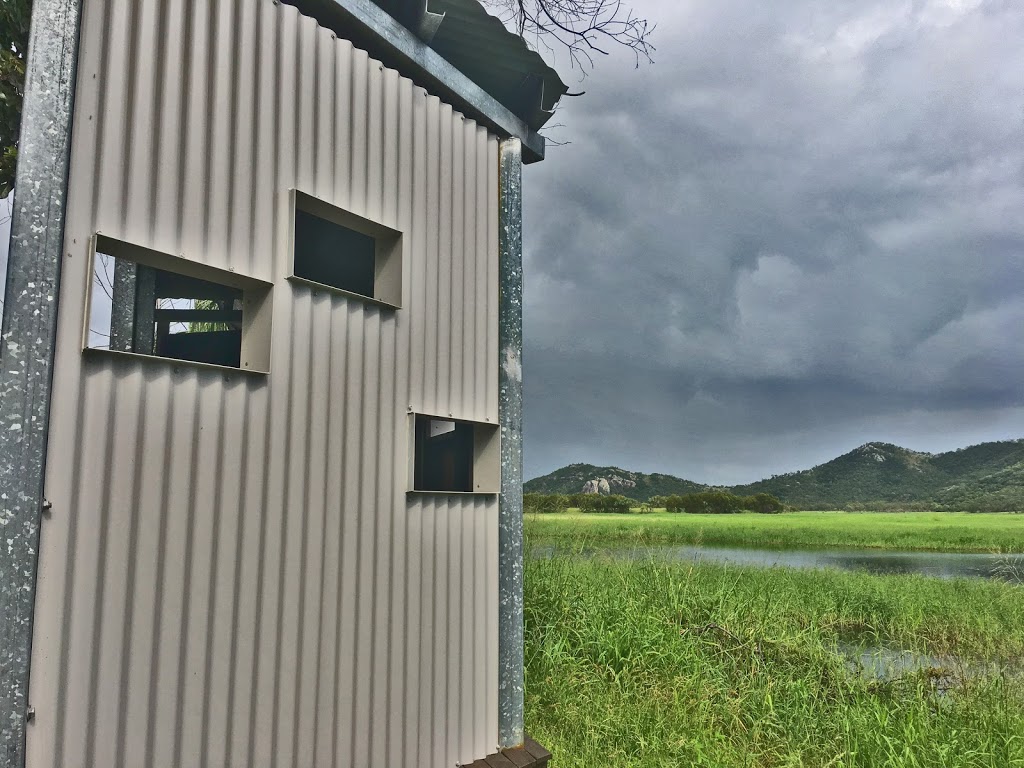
[{"x": 941, "y": 564}]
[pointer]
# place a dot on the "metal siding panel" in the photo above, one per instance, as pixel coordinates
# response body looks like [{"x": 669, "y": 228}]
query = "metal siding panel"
[
  {"x": 328, "y": 483},
  {"x": 192, "y": 226},
  {"x": 483, "y": 605},
  {"x": 145, "y": 583},
  {"x": 366, "y": 551},
  {"x": 439, "y": 684},
  {"x": 165, "y": 194},
  {"x": 443, "y": 267},
  {"x": 119, "y": 524},
  {"x": 316, "y": 532},
  {"x": 457, "y": 651},
  {"x": 142, "y": 122},
  {"x": 233, "y": 573},
  {"x": 245, "y": 608},
  {"x": 467, "y": 282},
  {"x": 224, "y": 586},
  {"x": 342, "y": 122},
  {"x": 416, "y": 254},
  {"x": 242, "y": 146},
  {"x": 199, "y": 567},
  {"x": 173, "y": 630},
  {"x": 457, "y": 268},
  {"x": 350, "y": 557},
  {"x": 296, "y": 513},
  {"x": 402, "y": 531},
  {"x": 90, "y": 501},
  {"x": 481, "y": 316},
  {"x": 491, "y": 661},
  {"x": 428, "y": 308},
  {"x": 467, "y": 621},
  {"x": 218, "y": 146},
  {"x": 412, "y": 684},
  {"x": 491, "y": 285},
  {"x": 427, "y": 514},
  {"x": 111, "y": 117}
]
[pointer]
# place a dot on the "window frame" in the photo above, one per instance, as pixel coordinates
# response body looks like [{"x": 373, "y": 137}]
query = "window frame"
[
  {"x": 257, "y": 303},
  {"x": 486, "y": 469},
  {"x": 389, "y": 246}
]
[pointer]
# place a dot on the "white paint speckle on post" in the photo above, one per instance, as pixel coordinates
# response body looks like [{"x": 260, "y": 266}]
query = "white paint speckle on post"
[
  {"x": 511, "y": 683},
  {"x": 512, "y": 365}
]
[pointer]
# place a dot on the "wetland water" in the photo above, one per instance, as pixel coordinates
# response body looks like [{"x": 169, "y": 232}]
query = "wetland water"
[
  {"x": 941, "y": 564},
  {"x": 867, "y": 657}
]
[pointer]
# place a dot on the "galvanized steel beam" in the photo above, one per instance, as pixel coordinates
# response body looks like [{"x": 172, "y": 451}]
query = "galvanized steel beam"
[
  {"x": 511, "y": 686},
  {"x": 122, "y": 306},
  {"x": 384, "y": 37},
  {"x": 27, "y": 344}
]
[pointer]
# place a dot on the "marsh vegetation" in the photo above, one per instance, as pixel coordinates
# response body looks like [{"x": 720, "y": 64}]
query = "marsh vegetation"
[{"x": 651, "y": 662}]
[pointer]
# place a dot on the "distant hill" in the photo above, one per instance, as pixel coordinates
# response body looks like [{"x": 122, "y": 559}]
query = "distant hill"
[
  {"x": 983, "y": 477},
  {"x": 986, "y": 476},
  {"x": 636, "y": 485}
]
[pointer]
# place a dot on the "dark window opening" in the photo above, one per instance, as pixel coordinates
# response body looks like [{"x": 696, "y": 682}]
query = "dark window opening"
[
  {"x": 345, "y": 253},
  {"x": 444, "y": 455},
  {"x": 334, "y": 255}
]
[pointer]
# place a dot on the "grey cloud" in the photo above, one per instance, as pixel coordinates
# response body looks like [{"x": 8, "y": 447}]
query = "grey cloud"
[{"x": 803, "y": 218}]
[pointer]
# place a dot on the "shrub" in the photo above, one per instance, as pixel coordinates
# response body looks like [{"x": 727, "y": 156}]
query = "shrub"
[
  {"x": 545, "y": 503},
  {"x": 593, "y": 502},
  {"x": 763, "y": 503}
]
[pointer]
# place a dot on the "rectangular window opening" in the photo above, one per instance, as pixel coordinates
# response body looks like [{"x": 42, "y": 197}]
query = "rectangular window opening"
[
  {"x": 344, "y": 253},
  {"x": 144, "y": 302},
  {"x": 454, "y": 456}
]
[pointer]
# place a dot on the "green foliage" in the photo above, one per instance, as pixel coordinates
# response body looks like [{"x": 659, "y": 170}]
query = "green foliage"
[
  {"x": 578, "y": 500},
  {"x": 594, "y": 502},
  {"x": 15, "y": 16},
  {"x": 545, "y": 503},
  {"x": 763, "y": 503},
  {"x": 708, "y": 502},
  {"x": 208, "y": 304},
  {"x": 721, "y": 503}
]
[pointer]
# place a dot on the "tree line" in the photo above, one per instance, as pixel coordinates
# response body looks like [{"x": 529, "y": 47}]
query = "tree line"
[{"x": 707, "y": 503}]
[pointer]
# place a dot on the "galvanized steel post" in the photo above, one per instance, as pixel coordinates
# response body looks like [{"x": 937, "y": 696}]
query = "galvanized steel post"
[
  {"x": 26, "y": 350},
  {"x": 510, "y": 416}
]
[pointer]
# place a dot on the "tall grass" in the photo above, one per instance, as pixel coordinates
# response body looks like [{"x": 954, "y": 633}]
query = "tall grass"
[
  {"x": 661, "y": 664},
  {"x": 921, "y": 531}
]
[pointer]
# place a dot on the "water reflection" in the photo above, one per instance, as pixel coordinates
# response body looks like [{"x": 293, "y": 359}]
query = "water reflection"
[{"x": 940, "y": 564}]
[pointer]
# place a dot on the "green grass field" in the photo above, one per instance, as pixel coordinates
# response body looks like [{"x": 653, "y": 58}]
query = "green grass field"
[
  {"x": 924, "y": 531},
  {"x": 644, "y": 664}
]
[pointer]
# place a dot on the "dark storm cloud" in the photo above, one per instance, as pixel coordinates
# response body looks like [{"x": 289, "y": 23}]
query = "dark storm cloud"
[{"x": 800, "y": 229}]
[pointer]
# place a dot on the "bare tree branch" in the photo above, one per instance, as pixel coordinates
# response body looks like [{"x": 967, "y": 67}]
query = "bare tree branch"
[
  {"x": 102, "y": 275},
  {"x": 584, "y": 28}
]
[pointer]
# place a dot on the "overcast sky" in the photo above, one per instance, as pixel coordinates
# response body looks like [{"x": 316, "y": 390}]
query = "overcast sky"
[{"x": 801, "y": 229}]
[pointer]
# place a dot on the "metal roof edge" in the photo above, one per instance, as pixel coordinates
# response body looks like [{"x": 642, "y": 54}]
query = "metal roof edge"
[{"x": 369, "y": 26}]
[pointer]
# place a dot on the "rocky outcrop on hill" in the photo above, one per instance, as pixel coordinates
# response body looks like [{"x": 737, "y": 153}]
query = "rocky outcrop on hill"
[
  {"x": 586, "y": 478},
  {"x": 605, "y": 486}
]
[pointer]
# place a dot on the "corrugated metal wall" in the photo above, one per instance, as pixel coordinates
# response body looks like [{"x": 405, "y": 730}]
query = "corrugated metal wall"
[{"x": 232, "y": 573}]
